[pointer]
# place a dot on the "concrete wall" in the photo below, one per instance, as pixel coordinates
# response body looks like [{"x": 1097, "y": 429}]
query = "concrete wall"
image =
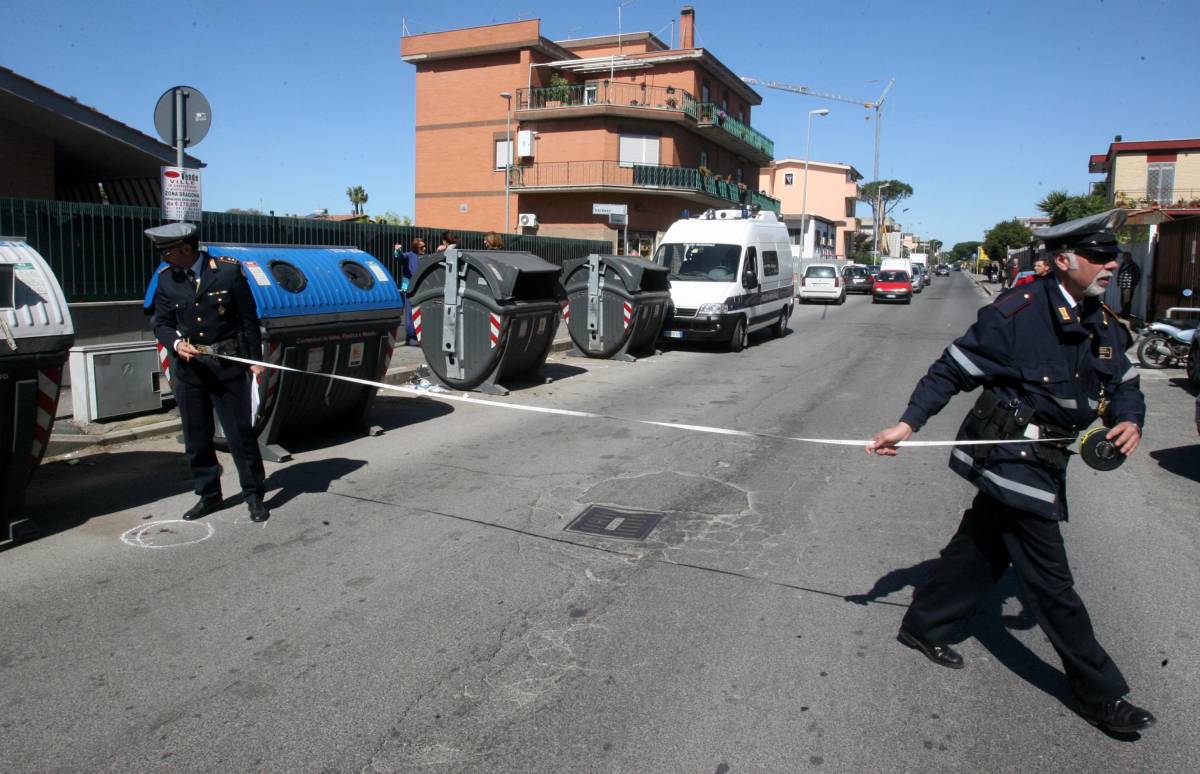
[{"x": 828, "y": 190}]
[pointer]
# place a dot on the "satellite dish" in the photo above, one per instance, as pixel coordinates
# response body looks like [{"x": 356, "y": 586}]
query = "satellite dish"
[{"x": 197, "y": 116}]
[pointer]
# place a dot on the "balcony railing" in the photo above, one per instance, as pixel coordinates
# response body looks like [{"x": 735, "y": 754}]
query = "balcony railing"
[
  {"x": 602, "y": 93},
  {"x": 711, "y": 114},
  {"x": 1174, "y": 199},
  {"x": 641, "y": 96},
  {"x": 557, "y": 174}
]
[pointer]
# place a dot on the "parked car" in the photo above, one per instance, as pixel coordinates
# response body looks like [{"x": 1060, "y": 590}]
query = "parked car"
[
  {"x": 857, "y": 279},
  {"x": 917, "y": 278},
  {"x": 942, "y": 270},
  {"x": 892, "y": 285},
  {"x": 822, "y": 282},
  {"x": 874, "y": 269}
]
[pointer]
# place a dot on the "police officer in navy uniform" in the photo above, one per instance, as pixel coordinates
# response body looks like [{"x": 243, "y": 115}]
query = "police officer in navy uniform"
[
  {"x": 203, "y": 307},
  {"x": 1051, "y": 358}
]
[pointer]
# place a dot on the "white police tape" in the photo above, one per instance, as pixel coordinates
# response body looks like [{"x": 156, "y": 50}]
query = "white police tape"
[{"x": 592, "y": 415}]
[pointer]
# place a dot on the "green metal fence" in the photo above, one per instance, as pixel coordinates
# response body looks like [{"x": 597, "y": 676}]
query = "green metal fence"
[{"x": 99, "y": 252}]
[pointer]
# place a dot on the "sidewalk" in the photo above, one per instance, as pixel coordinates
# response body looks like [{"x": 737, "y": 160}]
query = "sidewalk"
[{"x": 69, "y": 440}]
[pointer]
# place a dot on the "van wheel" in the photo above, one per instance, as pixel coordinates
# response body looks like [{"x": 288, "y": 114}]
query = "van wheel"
[
  {"x": 779, "y": 329},
  {"x": 740, "y": 339}
]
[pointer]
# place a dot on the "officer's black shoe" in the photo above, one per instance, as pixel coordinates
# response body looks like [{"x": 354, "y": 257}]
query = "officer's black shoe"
[
  {"x": 258, "y": 511},
  {"x": 1117, "y": 716},
  {"x": 206, "y": 506},
  {"x": 942, "y": 655}
]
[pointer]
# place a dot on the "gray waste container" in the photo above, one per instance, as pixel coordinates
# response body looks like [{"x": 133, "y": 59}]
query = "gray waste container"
[
  {"x": 484, "y": 316},
  {"x": 616, "y": 305},
  {"x": 35, "y": 334}
]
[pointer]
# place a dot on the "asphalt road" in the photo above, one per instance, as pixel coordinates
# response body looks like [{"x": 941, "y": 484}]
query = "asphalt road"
[{"x": 415, "y": 604}]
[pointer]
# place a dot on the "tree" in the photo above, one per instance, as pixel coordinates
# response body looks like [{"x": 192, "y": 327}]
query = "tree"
[
  {"x": 1003, "y": 235},
  {"x": 964, "y": 251},
  {"x": 1061, "y": 206},
  {"x": 883, "y": 195},
  {"x": 358, "y": 197},
  {"x": 935, "y": 247},
  {"x": 240, "y": 211},
  {"x": 391, "y": 218}
]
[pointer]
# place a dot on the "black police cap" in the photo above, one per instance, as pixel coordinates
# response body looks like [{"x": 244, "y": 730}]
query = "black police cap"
[{"x": 1090, "y": 234}]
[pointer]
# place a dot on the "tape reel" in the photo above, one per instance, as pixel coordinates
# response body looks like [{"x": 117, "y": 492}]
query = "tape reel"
[{"x": 1098, "y": 452}]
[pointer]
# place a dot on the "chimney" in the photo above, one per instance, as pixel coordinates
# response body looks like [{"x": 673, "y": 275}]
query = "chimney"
[
  {"x": 687, "y": 27},
  {"x": 1117, "y": 138}
]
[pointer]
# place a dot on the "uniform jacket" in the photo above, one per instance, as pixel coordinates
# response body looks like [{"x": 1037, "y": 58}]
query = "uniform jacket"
[
  {"x": 1032, "y": 346},
  {"x": 221, "y": 310}
]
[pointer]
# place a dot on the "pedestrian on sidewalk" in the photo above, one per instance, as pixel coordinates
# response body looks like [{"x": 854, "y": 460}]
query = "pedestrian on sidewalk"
[
  {"x": 1128, "y": 277},
  {"x": 408, "y": 272},
  {"x": 1022, "y": 350},
  {"x": 203, "y": 307},
  {"x": 493, "y": 241},
  {"x": 449, "y": 239},
  {"x": 1041, "y": 268}
]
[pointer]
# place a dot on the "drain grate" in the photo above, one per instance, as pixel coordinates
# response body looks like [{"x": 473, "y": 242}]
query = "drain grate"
[{"x": 615, "y": 523}]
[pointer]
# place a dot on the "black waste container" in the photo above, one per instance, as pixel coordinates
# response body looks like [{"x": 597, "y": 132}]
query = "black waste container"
[
  {"x": 35, "y": 334},
  {"x": 485, "y": 316},
  {"x": 325, "y": 310},
  {"x": 616, "y": 305}
]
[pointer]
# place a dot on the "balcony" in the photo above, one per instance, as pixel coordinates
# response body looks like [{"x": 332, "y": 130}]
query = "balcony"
[
  {"x": 713, "y": 115},
  {"x": 1174, "y": 199},
  {"x": 603, "y": 96},
  {"x": 684, "y": 181}
]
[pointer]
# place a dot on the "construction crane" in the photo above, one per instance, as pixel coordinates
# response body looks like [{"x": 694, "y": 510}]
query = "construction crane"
[{"x": 876, "y": 105}]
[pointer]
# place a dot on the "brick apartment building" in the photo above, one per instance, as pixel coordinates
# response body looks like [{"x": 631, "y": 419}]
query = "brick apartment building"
[
  {"x": 614, "y": 119},
  {"x": 832, "y": 196}
]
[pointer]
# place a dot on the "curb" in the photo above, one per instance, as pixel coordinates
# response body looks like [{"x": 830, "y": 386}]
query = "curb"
[{"x": 88, "y": 444}]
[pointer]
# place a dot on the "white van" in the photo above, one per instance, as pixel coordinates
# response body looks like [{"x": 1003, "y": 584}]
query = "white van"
[
  {"x": 731, "y": 273},
  {"x": 897, "y": 264}
]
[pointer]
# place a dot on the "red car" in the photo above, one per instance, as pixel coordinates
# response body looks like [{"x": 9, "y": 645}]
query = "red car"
[{"x": 892, "y": 286}]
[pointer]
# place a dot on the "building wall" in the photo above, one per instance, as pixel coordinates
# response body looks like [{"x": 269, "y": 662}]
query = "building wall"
[
  {"x": 570, "y": 214},
  {"x": 1129, "y": 174},
  {"x": 828, "y": 190},
  {"x": 26, "y": 163}
]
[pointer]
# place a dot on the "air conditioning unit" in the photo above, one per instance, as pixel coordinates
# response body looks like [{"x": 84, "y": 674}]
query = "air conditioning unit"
[{"x": 527, "y": 220}]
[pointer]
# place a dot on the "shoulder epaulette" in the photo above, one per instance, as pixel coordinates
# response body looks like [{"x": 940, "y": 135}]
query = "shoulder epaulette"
[
  {"x": 165, "y": 268},
  {"x": 1120, "y": 321},
  {"x": 1014, "y": 301}
]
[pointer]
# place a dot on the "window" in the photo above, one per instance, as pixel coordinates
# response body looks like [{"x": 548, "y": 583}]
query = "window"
[
  {"x": 704, "y": 93},
  {"x": 638, "y": 149},
  {"x": 770, "y": 263},
  {"x": 751, "y": 265},
  {"x": 788, "y": 178},
  {"x": 1160, "y": 182},
  {"x": 501, "y": 147},
  {"x": 704, "y": 158},
  {"x": 739, "y": 174},
  {"x": 700, "y": 262},
  {"x": 589, "y": 94}
]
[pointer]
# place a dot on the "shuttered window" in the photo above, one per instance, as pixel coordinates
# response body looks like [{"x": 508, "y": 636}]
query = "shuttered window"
[
  {"x": 1160, "y": 182},
  {"x": 638, "y": 149}
]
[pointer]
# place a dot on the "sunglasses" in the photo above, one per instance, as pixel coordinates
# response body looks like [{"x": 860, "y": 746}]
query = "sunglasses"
[{"x": 1097, "y": 258}]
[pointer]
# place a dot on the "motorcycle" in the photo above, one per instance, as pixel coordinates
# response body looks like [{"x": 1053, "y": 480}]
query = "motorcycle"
[{"x": 1165, "y": 343}]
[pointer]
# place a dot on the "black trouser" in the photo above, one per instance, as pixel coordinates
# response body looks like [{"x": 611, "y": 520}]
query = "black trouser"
[
  {"x": 1126, "y": 301},
  {"x": 231, "y": 400},
  {"x": 990, "y": 537}
]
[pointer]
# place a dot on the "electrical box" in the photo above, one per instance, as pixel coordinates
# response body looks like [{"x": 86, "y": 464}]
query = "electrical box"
[
  {"x": 113, "y": 380},
  {"x": 525, "y": 143}
]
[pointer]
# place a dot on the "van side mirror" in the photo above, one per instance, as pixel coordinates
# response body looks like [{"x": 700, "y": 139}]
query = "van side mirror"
[{"x": 749, "y": 281}]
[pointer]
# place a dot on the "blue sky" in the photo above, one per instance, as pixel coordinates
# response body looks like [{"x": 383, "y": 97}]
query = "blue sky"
[{"x": 994, "y": 104}]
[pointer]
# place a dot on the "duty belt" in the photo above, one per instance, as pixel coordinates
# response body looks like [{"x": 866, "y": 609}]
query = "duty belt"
[{"x": 226, "y": 347}]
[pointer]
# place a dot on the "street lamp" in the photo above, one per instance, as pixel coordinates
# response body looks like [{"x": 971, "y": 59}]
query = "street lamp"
[
  {"x": 508, "y": 155},
  {"x": 804, "y": 195}
]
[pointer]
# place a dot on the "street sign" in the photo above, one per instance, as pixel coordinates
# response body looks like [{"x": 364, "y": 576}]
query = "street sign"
[
  {"x": 181, "y": 198},
  {"x": 196, "y": 115},
  {"x": 617, "y": 219},
  {"x": 610, "y": 209}
]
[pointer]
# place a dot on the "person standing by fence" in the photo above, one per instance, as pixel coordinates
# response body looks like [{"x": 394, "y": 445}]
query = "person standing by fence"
[
  {"x": 408, "y": 272},
  {"x": 1128, "y": 277}
]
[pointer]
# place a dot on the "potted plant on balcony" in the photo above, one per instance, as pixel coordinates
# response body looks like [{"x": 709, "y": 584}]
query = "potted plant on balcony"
[{"x": 558, "y": 92}]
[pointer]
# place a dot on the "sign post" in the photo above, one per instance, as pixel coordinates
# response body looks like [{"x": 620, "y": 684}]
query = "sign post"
[
  {"x": 182, "y": 118},
  {"x": 618, "y": 215}
]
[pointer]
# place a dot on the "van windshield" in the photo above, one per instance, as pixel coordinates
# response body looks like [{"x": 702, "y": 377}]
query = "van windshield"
[{"x": 699, "y": 262}]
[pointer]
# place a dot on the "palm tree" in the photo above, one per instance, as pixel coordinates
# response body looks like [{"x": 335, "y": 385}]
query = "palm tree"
[{"x": 358, "y": 197}]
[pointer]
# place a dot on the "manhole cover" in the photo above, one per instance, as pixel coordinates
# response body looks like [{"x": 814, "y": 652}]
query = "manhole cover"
[{"x": 615, "y": 522}]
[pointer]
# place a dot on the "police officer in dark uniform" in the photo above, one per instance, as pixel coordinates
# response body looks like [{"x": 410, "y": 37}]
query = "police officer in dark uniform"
[
  {"x": 1050, "y": 358},
  {"x": 203, "y": 307}
]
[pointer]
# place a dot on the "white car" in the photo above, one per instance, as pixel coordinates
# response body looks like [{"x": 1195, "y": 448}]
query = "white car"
[{"x": 822, "y": 282}]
